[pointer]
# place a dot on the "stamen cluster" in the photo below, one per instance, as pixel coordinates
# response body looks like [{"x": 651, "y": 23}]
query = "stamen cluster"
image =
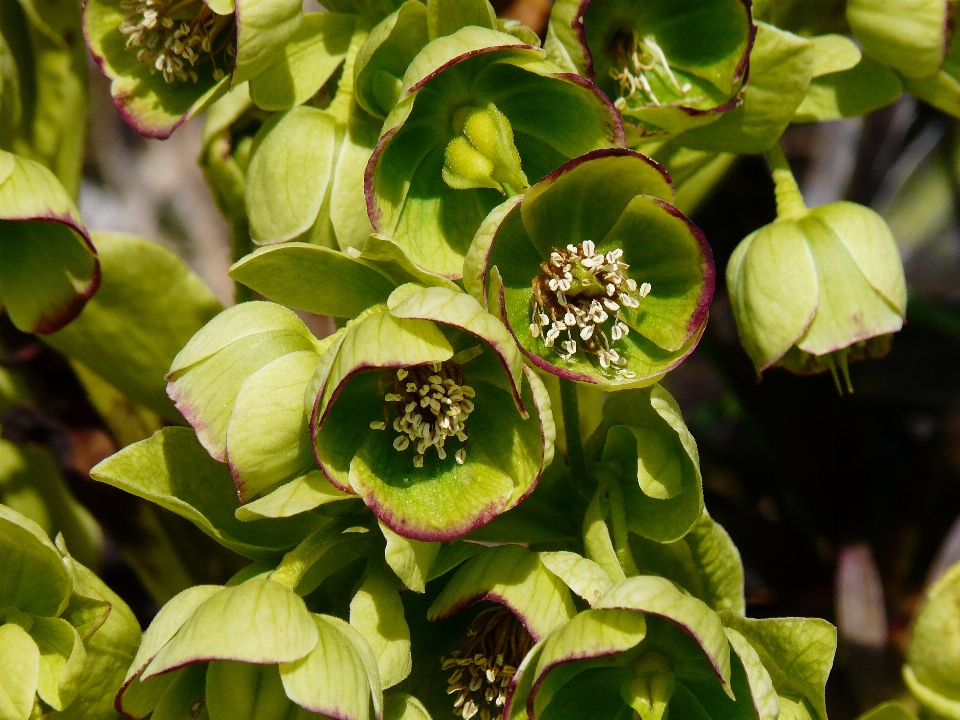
[
  {"x": 431, "y": 404},
  {"x": 579, "y": 295},
  {"x": 483, "y": 667},
  {"x": 636, "y": 57},
  {"x": 173, "y": 35}
]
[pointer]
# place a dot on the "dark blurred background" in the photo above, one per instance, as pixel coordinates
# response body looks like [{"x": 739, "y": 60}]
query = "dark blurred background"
[{"x": 842, "y": 507}]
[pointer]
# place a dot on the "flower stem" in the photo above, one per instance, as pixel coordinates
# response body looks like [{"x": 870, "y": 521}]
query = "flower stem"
[
  {"x": 790, "y": 205},
  {"x": 571, "y": 425}
]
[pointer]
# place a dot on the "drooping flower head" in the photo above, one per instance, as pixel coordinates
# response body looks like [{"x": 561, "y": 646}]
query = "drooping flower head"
[
  {"x": 480, "y": 116},
  {"x": 416, "y": 402},
  {"x": 668, "y": 66},
  {"x": 598, "y": 277}
]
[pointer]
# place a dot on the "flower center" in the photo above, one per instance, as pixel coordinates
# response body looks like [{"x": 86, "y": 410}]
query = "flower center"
[
  {"x": 636, "y": 57},
  {"x": 431, "y": 403},
  {"x": 482, "y": 152},
  {"x": 580, "y": 295},
  {"x": 173, "y": 35},
  {"x": 483, "y": 666}
]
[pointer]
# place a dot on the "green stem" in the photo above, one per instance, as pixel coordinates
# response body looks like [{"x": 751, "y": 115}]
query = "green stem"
[
  {"x": 295, "y": 563},
  {"x": 571, "y": 425},
  {"x": 790, "y": 205}
]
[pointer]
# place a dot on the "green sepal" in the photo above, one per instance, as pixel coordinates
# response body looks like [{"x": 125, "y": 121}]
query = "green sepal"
[
  {"x": 62, "y": 659},
  {"x": 933, "y": 656},
  {"x": 514, "y": 577},
  {"x": 781, "y": 68},
  {"x": 20, "y": 665},
  {"x": 313, "y": 278},
  {"x": 797, "y": 653},
  {"x": 259, "y": 621},
  {"x": 410, "y": 560},
  {"x": 34, "y": 579},
  {"x": 339, "y": 677},
  {"x": 241, "y": 691},
  {"x": 293, "y": 159},
  {"x": 866, "y": 87},
  {"x": 385, "y": 55},
  {"x": 890, "y": 710},
  {"x": 445, "y": 17},
  {"x": 585, "y": 577},
  {"x": 553, "y": 116},
  {"x": 908, "y": 35},
  {"x": 297, "y": 496},
  {"x": 377, "y": 613},
  {"x": 48, "y": 265},
  {"x": 310, "y": 57}
]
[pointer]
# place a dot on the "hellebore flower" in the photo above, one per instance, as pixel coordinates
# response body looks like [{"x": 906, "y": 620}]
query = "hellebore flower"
[
  {"x": 670, "y": 66},
  {"x": 530, "y": 603},
  {"x": 423, "y": 412},
  {"x": 250, "y": 650},
  {"x": 65, "y": 638},
  {"x": 479, "y": 116},
  {"x": 167, "y": 59},
  {"x": 599, "y": 278},
  {"x": 48, "y": 265},
  {"x": 816, "y": 289},
  {"x": 932, "y": 670},
  {"x": 643, "y": 645}
]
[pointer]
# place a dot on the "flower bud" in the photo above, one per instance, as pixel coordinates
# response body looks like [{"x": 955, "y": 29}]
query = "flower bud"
[{"x": 817, "y": 289}]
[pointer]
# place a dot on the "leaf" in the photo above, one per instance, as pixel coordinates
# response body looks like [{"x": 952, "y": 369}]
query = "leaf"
[
  {"x": 173, "y": 470},
  {"x": 514, "y": 577},
  {"x": 313, "y": 278},
  {"x": 259, "y": 621},
  {"x": 797, "y": 652},
  {"x": 301, "y": 495},
  {"x": 866, "y": 87},
  {"x": 20, "y": 668},
  {"x": 62, "y": 658},
  {"x": 310, "y": 57},
  {"x": 445, "y": 17},
  {"x": 658, "y": 596},
  {"x": 411, "y": 560},
  {"x": 149, "y": 305},
  {"x": 781, "y": 67},
  {"x": 34, "y": 578},
  {"x": 583, "y": 576},
  {"x": 48, "y": 266},
  {"x": 377, "y": 614},
  {"x": 338, "y": 677},
  {"x": 288, "y": 174}
]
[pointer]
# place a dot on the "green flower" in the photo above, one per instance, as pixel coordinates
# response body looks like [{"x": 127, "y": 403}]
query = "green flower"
[
  {"x": 423, "y": 412},
  {"x": 48, "y": 265},
  {"x": 671, "y": 66},
  {"x": 479, "y": 116},
  {"x": 168, "y": 59},
  {"x": 599, "y": 278},
  {"x": 65, "y": 638},
  {"x": 816, "y": 289},
  {"x": 250, "y": 650},
  {"x": 643, "y": 645},
  {"x": 909, "y": 37},
  {"x": 932, "y": 670}
]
